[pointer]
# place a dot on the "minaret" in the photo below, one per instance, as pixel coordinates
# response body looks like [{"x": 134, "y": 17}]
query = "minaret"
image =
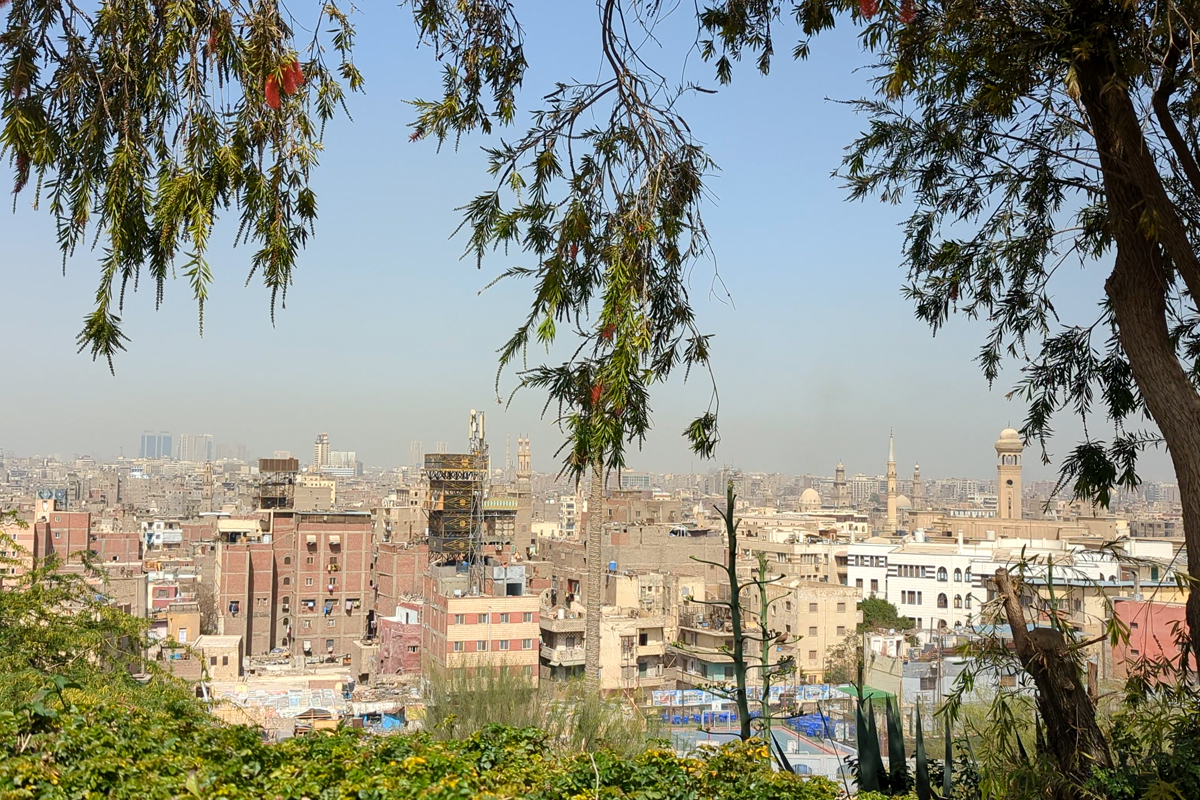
[
  {"x": 1008, "y": 477},
  {"x": 891, "y": 485},
  {"x": 841, "y": 497},
  {"x": 524, "y": 522},
  {"x": 918, "y": 490}
]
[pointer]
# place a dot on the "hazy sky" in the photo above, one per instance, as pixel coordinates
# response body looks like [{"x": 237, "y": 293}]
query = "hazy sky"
[{"x": 386, "y": 337}]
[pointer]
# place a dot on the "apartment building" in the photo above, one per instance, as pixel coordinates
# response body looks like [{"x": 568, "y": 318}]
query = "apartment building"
[{"x": 482, "y": 631}]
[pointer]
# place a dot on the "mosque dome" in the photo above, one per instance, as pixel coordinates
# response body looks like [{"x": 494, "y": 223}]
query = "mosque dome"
[
  {"x": 810, "y": 499},
  {"x": 1010, "y": 441},
  {"x": 903, "y": 502}
]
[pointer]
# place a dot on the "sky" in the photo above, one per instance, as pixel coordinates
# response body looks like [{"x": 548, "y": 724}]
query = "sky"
[{"x": 387, "y": 337}]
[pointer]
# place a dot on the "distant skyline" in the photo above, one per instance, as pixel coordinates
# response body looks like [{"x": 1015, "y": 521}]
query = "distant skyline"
[{"x": 386, "y": 336}]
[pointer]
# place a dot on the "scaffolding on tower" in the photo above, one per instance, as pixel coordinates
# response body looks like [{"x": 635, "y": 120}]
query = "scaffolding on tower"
[{"x": 457, "y": 488}]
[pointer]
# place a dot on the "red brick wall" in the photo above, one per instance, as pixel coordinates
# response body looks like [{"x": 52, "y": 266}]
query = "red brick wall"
[{"x": 395, "y": 641}]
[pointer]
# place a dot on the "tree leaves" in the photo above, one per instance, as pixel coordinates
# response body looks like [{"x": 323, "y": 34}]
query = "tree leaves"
[{"x": 139, "y": 123}]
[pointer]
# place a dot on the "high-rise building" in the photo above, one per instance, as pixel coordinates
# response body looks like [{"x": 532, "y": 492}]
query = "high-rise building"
[
  {"x": 155, "y": 445},
  {"x": 196, "y": 447},
  {"x": 321, "y": 451}
]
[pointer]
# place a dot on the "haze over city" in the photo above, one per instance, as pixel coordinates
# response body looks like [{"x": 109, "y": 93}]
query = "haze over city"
[{"x": 386, "y": 337}]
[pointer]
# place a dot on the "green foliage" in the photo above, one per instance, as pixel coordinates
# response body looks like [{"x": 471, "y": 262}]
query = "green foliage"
[
  {"x": 135, "y": 124},
  {"x": 880, "y": 615},
  {"x": 94, "y": 747},
  {"x": 462, "y": 703},
  {"x": 56, "y": 620}
]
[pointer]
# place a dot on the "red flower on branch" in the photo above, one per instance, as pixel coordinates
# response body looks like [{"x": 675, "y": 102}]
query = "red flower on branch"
[
  {"x": 293, "y": 76},
  {"x": 868, "y": 8},
  {"x": 271, "y": 91},
  {"x": 607, "y": 333},
  {"x": 908, "y": 11},
  {"x": 597, "y": 392}
]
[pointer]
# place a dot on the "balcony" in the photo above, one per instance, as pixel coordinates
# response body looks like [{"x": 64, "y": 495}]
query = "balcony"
[
  {"x": 563, "y": 656},
  {"x": 652, "y": 649},
  {"x": 566, "y": 625}
]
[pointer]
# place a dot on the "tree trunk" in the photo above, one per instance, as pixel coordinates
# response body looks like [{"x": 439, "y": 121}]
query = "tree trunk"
[
  {"x": 735, "y": 616},
  {"x": 595, "y": 575},
  {"x": 1151, "y": 245},
  {"x": 1073, "y": 737}
]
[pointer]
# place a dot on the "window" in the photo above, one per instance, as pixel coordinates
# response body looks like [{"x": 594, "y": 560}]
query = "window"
[
  {"x": 481, "y": 646},
  {"x": 183, "y": 632},
  {"x": 968, "y": 601},
  {"x": 812, "y": 655},
  {"x": 967, "y": 575},
  {"x": 224, "y": 661},
  {"x": 331, "y": 622},
  {"x": 412, "y": 648},
  {"x": 941, "y": 600},
  {"x": 874, "y": 585},
  {"x": 333, "y": 580},
  {"x": 858, "y": 583},
  {"x": 928, "y": 683},
  {"x": 643, "y": 639},
  {"x": 308, "y": 581},
  {"x": 310, "y": 560},
  {"x": 527, "y": 671},
  {"x": 504, "y": 619},
  {"x": 212, "y": 662},
  {"x": 527, "y": 644},
  {"x": 483, "y": 618},
  {"x": 957, "y": 575},
  {"x": 458, "y": 647},
  {"x": 812, "y": 630},
  {"x": 306, "y": 623},
  {"x": 287, "y": 560},
  {"x": 460, "y": 619},
  {"x": 787, "y": 605},
  {"x": 958, "y": 601},
  {"x": 1133, "y": 626},
  {"x": 920, "y": 598},
  {"x": 841, "y": 630},
  {"x": 942, "y": 575},
  {"x": 841, "y": 608},
  {"x": 812, "y": 608},
  {"x": 329, "y": 645},
  {"x": 287, "y": 581},
  {"x": 527, "y": 617},
  {"x": 503, "y": 644}
]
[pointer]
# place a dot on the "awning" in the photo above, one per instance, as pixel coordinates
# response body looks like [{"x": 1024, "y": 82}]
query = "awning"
[
  {"x": 310, "y": 538},
  {"x": 335, "y": 538}
]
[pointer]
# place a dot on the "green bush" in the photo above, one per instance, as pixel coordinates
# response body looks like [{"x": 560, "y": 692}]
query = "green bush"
[{"x": 83, "y": 745}]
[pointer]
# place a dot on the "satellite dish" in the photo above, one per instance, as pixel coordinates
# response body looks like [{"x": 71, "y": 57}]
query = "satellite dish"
[{"x": 891, "y": 632}]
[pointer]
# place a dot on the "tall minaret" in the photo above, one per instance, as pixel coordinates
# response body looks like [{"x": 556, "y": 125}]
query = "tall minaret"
[
  {"x": 841, "y": 497},
  {"x": 918, "y": 490},
  {"x": 891, "y": 485},
  {"x": 525, "y": 539},
  {"x": 1008, "y": 477}
]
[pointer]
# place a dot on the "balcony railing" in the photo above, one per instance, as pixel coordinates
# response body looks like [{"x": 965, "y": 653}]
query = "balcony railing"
[{"x": 563, "y": 656}]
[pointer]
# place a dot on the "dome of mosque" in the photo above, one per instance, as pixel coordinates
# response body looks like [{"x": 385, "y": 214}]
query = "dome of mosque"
[
  {"x": 1010, "y": 441},
  {"x": 810, "y": 499},
  {"x": 903, "y": 502}
]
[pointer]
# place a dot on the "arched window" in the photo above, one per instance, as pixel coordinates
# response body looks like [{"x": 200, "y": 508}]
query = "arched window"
[
  {"x": 287, "y": 559},
  {"x": 942, "y": 602},
  {"x": 968, "y": 601},
  {"x": 941, "y": 624},
  {"x": 957, "y": 575},
  {"x": 967, "y": 575},
  {"x": 941, "y": 575},
  {"x": 287, "y": 581},
  {"x": 958, "y": 601}
]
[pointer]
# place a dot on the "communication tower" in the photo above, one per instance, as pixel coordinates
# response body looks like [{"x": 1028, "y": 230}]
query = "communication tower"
[{"x": 457, "y": 488}]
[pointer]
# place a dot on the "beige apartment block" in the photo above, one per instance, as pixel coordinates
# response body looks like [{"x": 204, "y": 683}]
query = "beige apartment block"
[
  {"x": 480, "y": 631},
  {"x": 815, "y": 616}
]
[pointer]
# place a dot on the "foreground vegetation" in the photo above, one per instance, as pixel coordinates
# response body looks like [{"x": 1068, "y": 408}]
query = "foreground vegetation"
[{"x": 83, "y": 744}]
